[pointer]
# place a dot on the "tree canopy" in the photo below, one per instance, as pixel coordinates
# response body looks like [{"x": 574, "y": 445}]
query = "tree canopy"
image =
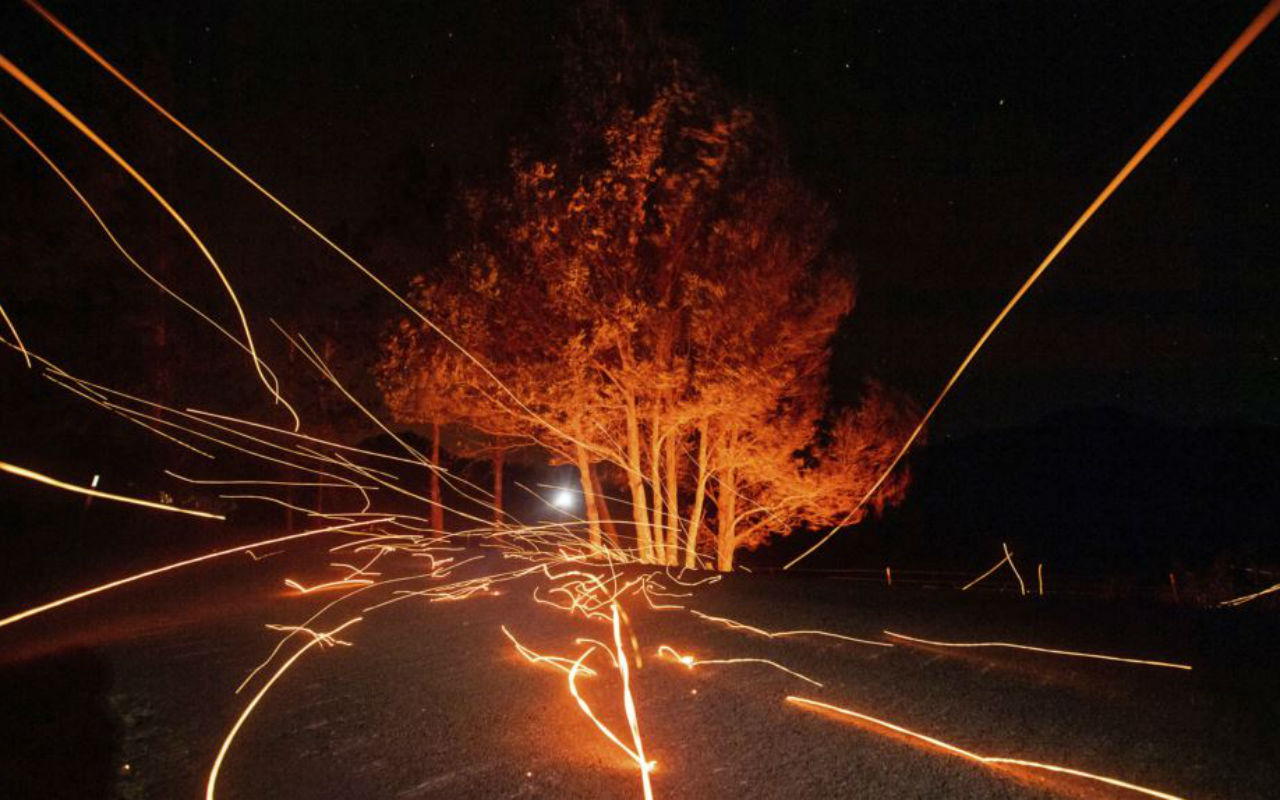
[{"x": 659, "y": 296}]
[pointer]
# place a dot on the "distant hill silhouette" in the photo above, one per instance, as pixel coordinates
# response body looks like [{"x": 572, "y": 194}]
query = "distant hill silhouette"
[{"x": 1089, "y": 491}]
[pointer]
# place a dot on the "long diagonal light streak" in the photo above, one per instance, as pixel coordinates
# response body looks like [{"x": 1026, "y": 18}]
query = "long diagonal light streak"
[
  {"x": 23, "y": 472},
  {"x": 805, "y": 702},
  {"x": 31, "y": 612},
  {"x": 1242, "y": 42}
]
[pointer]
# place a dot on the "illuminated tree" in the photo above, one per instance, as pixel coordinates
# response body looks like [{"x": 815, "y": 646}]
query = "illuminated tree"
[{"x": 662, "y": 302}]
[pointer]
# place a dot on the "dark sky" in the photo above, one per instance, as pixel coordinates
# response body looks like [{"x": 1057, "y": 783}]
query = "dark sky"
[{"x": 955, "y": 143}]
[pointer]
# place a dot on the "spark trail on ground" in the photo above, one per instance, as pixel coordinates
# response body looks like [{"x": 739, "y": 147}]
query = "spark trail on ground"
[
  {"x": 550, "y": 567},
  {"x": 1035, "y": 649},
  {"x": 811, "y": 704}
]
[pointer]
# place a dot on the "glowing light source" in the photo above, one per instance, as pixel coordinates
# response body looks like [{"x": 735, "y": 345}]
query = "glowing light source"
[{"x": 563, "y": 499}]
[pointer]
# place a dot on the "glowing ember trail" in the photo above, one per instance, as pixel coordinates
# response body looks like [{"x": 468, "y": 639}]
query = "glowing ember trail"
[
  {"x": 22, "y": 472},
  {"x": 1255, "y": 28},
  {"x": 31, "y": 612},
  {"x": 287, "y": 209},
  {"x": 629, "y": 705},
  {"x": 1249, "y": 598},
  {"x": 563, "y": 664},
  {"x": 35, "y": 88},
  {"x": 1007, "y": 559},
  {"x": 691, "y": 662},
  {"x": 17, "y": 340},
  {"x": 997, "y": 761},
  {"x": 326, "y": 638},
  {"x": 321, "y": 587},
  {"x": 561, "y": 571},
  {"x": 1033, "y": 649},
  {"x": 739, "y": 626}
]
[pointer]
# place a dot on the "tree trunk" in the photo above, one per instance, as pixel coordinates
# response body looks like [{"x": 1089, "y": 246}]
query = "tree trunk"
[
  {"x": 602, "y": 510},
  {"x": 437, "y": 508},
  {"x": 727, "y": 510},
  {"x": 673, "y": 501},
  {"x": 499, "y": 455},
  {"x": 635, "y": 480},
  {"x": 699, "y": 497},
  {"x": 655, "y": 480},
  {"x": 588, "y": 495}
]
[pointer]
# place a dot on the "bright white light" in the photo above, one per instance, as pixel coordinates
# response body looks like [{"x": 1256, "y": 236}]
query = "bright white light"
[
  {"x": 563, "y": 499},
  {"x": 95, "y": 482}
]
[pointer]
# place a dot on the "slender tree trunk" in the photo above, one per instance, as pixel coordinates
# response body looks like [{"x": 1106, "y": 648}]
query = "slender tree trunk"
[
  {"x": 588, "y": 495},
  {"x": 635, "y": 480},
  {"x": 602, "y": 510},
  {"x": 727, "y": 510},
  {"x": 499, "y": 455},
  {"x": 437, "y": 508},
  {"x": 655, "y": 480},
  {"x": 673, "y": 501},
  {"x": 699, "y": 496}
]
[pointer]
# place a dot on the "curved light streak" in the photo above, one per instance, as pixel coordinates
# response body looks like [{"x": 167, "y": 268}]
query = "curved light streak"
[
  {"x": 316, "y": 638},
  {"x": 39, "y": 91}
]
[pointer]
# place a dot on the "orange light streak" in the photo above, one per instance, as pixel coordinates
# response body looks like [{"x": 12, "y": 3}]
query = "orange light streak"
[
  {"x": 1034, "y": 649},
  {"x": 22, "y": 472},
  {"x": 31, "y": 612},
  {"x": 293, "y": 630},
  {"x": 986, "y": 574},
  {"x": 971, "y": 756},
  {"x": 17, "y": 339},
  {"x": 35, "y": 88},
  {"x": 320, "y": 587},
  {"x": 326, "y": 639},
  {"x": 298, "y": 218},
  {"x": 1022, "y": 587},
  {"x": 1242, "y": 42},
  {"x": 559, "y": 662},
  {"x": 115, "y": 242},
  {"x": 578, "y": 667},
  {"x": 629, "y": 704},
  {"x": 691, "y": 662},
  {"x": 320, "y": 638},
  {"x": 1249, "y": 598},
  {"x": 739, "y": 626}
]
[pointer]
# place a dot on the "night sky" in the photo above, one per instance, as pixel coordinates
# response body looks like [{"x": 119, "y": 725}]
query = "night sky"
[{"x": 955, "y": 143}]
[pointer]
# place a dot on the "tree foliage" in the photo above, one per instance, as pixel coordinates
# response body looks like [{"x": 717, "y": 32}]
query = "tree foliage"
[{"x": 661, "y": 299}]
